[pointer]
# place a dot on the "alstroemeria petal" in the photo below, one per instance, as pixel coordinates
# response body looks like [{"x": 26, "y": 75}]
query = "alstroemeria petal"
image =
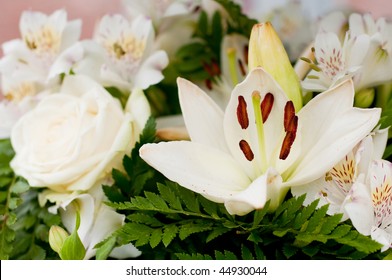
[
  {"x": 360, "y": 208},
  {"x": 240, "y": 121},
  {"x": 203, "y": 118},
  {"x": 150, "y": 71},
  {"x": 329, "y": 128},
  {"x": 266, "y": 187},
  {"x": 197, "y": 167}
]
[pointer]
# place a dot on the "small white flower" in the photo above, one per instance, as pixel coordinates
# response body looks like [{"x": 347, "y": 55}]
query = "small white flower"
[
  {"x": 24, "y": 68},
  {"x": 365, "y": 54},
  {"x": 131, "y": 60},
  {"x": 370, "y": 204},
  {"x": 159, "y": 10},
  {"x": 334, "y": 187}
]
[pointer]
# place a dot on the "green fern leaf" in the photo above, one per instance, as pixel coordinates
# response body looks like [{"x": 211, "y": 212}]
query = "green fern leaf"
[
  {"x": 156, "y": 237},
  {"x": 225, "y": 255},
  {"x": 169, "y": 233}
]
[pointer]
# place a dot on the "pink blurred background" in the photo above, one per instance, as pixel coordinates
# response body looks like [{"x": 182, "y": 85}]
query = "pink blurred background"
[
  {"x": 91, "y": 10},
  {"x": 87, "y": 10}
]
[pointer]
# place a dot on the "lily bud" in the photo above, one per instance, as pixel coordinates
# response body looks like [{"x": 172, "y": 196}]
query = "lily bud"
[
  {"x": 57, "y": 236},
  {"x": 267, "y": 51},
  {"x": 364, "y": 98}
]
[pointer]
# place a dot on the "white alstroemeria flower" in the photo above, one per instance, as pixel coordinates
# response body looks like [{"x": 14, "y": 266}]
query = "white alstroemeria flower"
[
  {"x": 336, "y": 61},
  {"x": 334, "y": 187},
  {"x": 364, "y": 55},
  {"x": 85, "y": 57},
  {"x": 26, "y": 62},
  {"x": 370, "y": 204},
  {"x": 131, "y": 60},
  {"x": 378, "y": 61},
  {"x": 259, "y": 148},
  {"x": 159, "y": 10},
  {"x": 97, "y": 220},
  {"x": 43, "y": 38}
]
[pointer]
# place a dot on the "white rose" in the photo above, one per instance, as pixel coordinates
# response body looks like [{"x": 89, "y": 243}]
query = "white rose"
[{"x": 74, "y": 138}]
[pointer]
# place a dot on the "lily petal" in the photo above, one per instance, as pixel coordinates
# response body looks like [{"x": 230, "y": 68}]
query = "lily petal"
[
  {"x": 330, "y": 128},
  {"x": 197, "y": 167},
  {"x": 203, "y": 118},
  {"x": 266, "y": 187},
  {"x": 240, "y": 121}
]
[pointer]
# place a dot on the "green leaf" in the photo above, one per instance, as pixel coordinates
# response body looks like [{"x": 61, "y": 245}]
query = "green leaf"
[
  {"x": 157, "y": 201},
  {"x": 191, "y": 228},
  {"x": 20, "y": 186},
  {"x": 226, "y": 255},
  {"x": 246, "y": 254},
  {"x": 200, "y": 257},
  {"x": 169, "y": 196},
  {"x": 169, "y": 233},
  {"x": 156, "y": 237},
  {"x": 314, "y": 221},
  {"x": 105, "y": 248},
  {"x": 73, "y": 248},
  {"x": 216, "y": 232},
  {"x": 146, "y": 219}
]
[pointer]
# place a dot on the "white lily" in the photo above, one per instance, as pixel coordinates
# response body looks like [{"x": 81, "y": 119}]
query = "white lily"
[
  {"x": 370, "y": 204},
  {"x": 258, "y": 148},
  {"x": 334, "y": 187},
  {"x": 131, "y": 61}
]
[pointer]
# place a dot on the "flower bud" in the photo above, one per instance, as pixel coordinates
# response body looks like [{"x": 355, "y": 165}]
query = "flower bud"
[
  {"x": 364, "y": 98},
  {"x": 267, "y": 51},
  {"x": 57, "y": 236}
]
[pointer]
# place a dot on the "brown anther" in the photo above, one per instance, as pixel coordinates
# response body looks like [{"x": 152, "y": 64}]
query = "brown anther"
[
  {"x": 246, "y": 54},
  {"x": 266, "y": 106},
  {"x": 242, "y": 67},
  {"x": 242, "y": 113},
  {"x": 286, "y": 145},
  {"x": 246, "y": 150},
  {"x": 289, "y": 113}
]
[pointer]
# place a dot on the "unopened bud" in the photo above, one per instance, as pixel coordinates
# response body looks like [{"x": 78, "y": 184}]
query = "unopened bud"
[
  {"x": 267, "y": 51},
  {"x": 57, "y": 236}
]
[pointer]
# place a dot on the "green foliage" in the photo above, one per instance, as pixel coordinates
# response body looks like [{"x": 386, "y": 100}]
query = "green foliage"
[
  {"x": 24, "y": 225},
  {"x": 73, "y": 248},
  {"x": 200, "y": 59},
  {"x": 239, "y": 23},
  {"x": 174, "y": 218},
  {"x": 137, "y": 171}
]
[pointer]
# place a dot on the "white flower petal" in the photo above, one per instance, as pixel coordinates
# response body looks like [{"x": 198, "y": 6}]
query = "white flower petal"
[
  {"x": 150, "y": 72},
  {"x": 139, "y": 107},
  {"x": 266, "y": 187},
  {"x": 330, "y": 127},
  {"x": 197, "y": 167},
  {"x": 244, "y": 127},
  {"x": 359, "y": 208},
  {"x": 203, "y": 118}
]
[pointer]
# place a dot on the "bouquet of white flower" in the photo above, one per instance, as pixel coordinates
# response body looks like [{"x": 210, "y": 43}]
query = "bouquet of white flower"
[{"x": 198, "y": 129}]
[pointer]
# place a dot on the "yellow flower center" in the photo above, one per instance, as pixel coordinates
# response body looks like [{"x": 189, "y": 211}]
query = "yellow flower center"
[
  {"x": 43, "y": 41},
  {"x": 20, "y": 91}
]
